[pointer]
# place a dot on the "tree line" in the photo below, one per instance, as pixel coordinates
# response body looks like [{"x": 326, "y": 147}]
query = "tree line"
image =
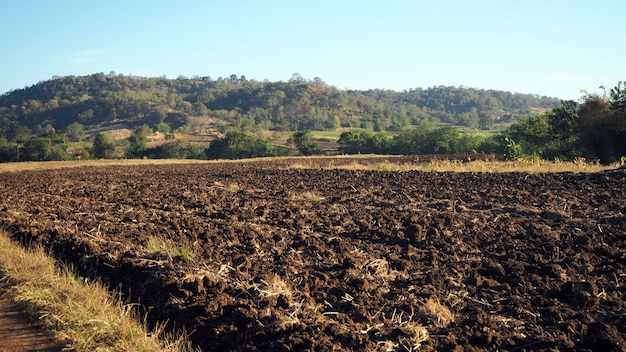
[{"x": 594, "y": 129}]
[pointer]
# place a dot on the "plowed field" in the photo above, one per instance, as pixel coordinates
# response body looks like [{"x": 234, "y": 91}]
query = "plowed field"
[{"x": 261, "y": 256}]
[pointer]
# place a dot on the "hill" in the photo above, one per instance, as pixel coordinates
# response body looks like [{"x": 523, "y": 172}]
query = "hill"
[{"x": 202, "y": 104}]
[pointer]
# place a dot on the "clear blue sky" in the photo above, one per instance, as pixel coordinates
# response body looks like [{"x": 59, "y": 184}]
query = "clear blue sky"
[{"x": 546, "y": 47}]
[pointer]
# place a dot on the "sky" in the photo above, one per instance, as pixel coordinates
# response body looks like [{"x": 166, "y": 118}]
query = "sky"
[{"x": 561, "y": 49}]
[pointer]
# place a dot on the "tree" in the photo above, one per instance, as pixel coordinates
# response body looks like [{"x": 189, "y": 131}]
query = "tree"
[
  {"x": 178, "y": 149},
  {"x": 36, "y": 149},
  {"x": 601, "y": 129},
  {"x": 8, "y": 151},
  {"x": 335, "y": 122},
  {"x": 415, "y": 140},
  {"x": 137, "y": 145},
  {"x": 18, "y": 133},
  {"x": 239, "y": 145},
  {"x": 76, "y": 132},
  {"x": 163, "y": 128},
  {"x": 485, "y": 121},
  {"x": 304, "y": 142},
  {"x": 563, "y": 121},
  {"x": 352, "y": 142},
  {"x": 444, "y": 140},
  {"x": 618, "y": 98},
  {"x": 531, "y": 133},
  {"x": 103, "y": 148}
]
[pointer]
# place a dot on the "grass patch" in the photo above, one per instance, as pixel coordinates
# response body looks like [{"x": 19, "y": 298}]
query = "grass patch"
[
  {"x": 529, "y": 166},
  {"x": 85, "y": 315},
  {"x": 162, "y": 246},
  {"x": 312, "y": 197},
  {"x": 335, "y": 162},
  {"x": 332, "y": 136}
]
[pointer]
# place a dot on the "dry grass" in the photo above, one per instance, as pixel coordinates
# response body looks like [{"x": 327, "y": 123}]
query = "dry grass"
[
  {"x": 50, "y": 165},
  {"x": 83, "y": 314},
  {"x": 438, "y": 313},
  {"x": 409, "y": 334},
  {"x": 362, "y": 162},
  {"x": 311, "y": 196},
  {"x": 529, "y": 166}
]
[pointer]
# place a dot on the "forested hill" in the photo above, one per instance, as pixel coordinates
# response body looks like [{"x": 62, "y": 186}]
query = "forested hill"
[{"x": 236, "y": 102}]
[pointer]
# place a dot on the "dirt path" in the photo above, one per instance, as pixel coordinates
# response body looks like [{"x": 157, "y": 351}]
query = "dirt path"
[{"x": 18, "y": 332}]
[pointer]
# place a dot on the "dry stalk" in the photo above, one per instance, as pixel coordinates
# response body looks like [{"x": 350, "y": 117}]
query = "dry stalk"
[{"x": 438, "y": 313}]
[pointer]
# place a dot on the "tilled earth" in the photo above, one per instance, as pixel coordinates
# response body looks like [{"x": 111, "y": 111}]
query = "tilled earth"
[{"x": 264, "y": 256}]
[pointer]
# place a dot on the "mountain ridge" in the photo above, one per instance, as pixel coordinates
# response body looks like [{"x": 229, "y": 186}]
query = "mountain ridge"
[{"x": 238, "y": 103}]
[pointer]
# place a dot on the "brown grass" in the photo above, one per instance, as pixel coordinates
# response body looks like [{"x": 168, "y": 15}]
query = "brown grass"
[
  {"x": 529, "y": 166},
  {"x": 367, "y": 163},
  {"x": 51, "y": 165},
  {"x": 82, "y": 314},
  {"x": 440, "y": 315}
]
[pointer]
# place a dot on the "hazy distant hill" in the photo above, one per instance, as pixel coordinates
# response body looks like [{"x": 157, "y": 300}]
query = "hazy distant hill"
[{"x": 99, "y": 100}]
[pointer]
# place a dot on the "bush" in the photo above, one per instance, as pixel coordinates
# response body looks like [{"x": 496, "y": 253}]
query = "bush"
[
  {"x": 239, "y": 145},
  {"x": 103, "y": 148}
]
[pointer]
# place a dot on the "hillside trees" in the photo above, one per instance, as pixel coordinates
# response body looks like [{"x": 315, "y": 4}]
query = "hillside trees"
[{"x": 296, "y": 105}]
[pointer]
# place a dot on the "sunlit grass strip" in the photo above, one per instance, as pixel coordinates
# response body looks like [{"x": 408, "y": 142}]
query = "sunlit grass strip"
[
  {"x": 82, "y": 314},
  {"x": 51, "y": 165},
  {"x": 529, "y": 166},
  {"x": 158, "y": 245},
  {"x": 386, "y": 163}
]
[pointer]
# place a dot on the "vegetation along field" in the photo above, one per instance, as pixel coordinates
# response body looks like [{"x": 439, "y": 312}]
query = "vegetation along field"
[{"x": 300, "y": 254}]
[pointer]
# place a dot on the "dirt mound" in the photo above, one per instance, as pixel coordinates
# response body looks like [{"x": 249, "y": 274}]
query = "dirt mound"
[{"x": 255, "y": 256}]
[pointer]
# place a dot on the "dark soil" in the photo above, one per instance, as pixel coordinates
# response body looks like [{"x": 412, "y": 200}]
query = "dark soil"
[{"x": 260, "y": 256}]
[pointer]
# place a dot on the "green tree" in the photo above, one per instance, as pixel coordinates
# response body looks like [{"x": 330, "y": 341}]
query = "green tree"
[
  {"x": 304, "y": 142},
  {"x": 352, "y": 142},
  {"x": 335, "y": 122},
  {"x": 36, "y": 149},
  {"x": 163, "y": 128},
  {"x": 179, "y": 149},
  {"x": 86, "y": 116},
  {"x": 444, "y": 140},
  {"x": 8, "y": 151},
  {"x": 563, "y": 121},
  {"x": 485, "y": 121},
  {"x": 414, "y": 140},
  {"x": 618, "y": 98},
  {"x": 137, "y": 145},
  {"x": 239, "y": 145},
  {"x": 76, "y": 132},
  {"x": 103, "y": 148},
  {"x": 18, "y": 133},
  {"x": 531, "y": 133}
]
